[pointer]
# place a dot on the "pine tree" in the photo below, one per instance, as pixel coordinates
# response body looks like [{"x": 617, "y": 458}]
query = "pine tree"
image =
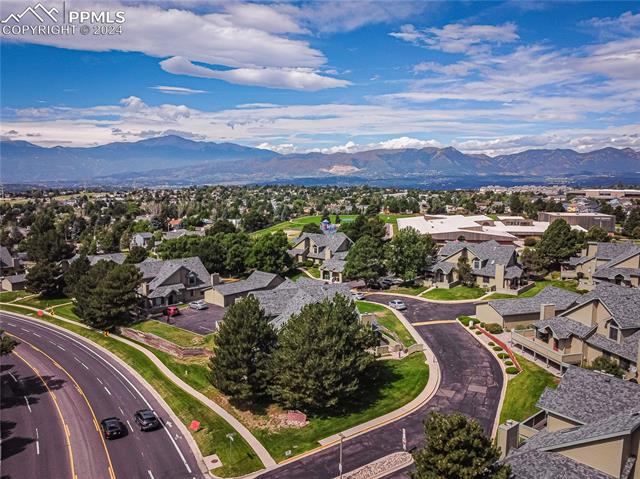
[
  {"x": 631, "y": 223},
  {"x": 240, "y": 367},
  {"x": 7, "y": 343},
  {"x": 137, "y": 254},
  {"x": 77, "y": 269},
  {"x": 321, "y": 361},
  {"x": 45, "y": 278},
  {"x": 465, "y": 275},
  {"x": 558, "y": 243},
  {"x": 365, "y": 260},
  {"x": 457, "y": 447}
]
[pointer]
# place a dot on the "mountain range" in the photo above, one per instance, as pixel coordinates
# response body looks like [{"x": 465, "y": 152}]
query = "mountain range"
[{"x": 175, "y": 159}]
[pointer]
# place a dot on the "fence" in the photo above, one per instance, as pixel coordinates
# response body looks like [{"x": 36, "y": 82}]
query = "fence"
[{"x": 503, "y": 345}]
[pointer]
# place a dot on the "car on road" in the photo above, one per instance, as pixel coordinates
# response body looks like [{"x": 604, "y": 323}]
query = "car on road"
[
  {"x": 357, "y": 296},
  {"x": 200, "y": 304},
  {"x": 172, "y": 311},
  {"x": 113, "y": 428},
  {"x": 147, "y": 420},
  {"x": 397, "y": 304}
]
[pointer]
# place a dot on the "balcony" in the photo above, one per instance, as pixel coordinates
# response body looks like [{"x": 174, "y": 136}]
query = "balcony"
[{"x": 526, "y": 341}]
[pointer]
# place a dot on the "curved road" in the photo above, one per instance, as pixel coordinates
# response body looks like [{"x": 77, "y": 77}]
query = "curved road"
[
  {"x": 471, "y": 383},
  {"x": 69, "y": 381}
]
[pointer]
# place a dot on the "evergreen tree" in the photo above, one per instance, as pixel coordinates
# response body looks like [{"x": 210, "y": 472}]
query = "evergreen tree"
[
  {"x": 221, "y": 226},
  {"x": 532, "y": 264},
  {"x": 557, "y": 244},
  {"x": 106, "y": 296},
  {"x": 136, "y": 255},
  {"x": 465, "y": 274},
  {"x": 240, "y": 367},
  {"x": 7, "y": 343},
  {"x": 409, "y": 253},
  {"x": 608, "y": 365},
  {"x": 456, "y": 447},
  {"x": 311, "y": 228},
  {"x": 596, "y": 233},
  {"x": 270, "y": 253},
  {"x": 77, "y": 269},
  {"x": 364, "y": 226},
  {"x": 45, "y": 278},
  {"x": 631, "y": 223},
  {"x": 44, "y": 243},
  {"x": 321, "y": 362},
  {"x": 365, "y": 260}
]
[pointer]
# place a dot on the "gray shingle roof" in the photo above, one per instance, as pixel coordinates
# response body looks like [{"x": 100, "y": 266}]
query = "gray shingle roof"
[
  {"x": 6, "y": 260},
  {"x": 564, "y": 328},
  {"x": 159, "y": 271},
  {"x": 256, "y": 280},
  {"x": 622, "y": 302},
  {"x": 331, "y": 240},
  {"x": 532, "y": 464},
  {"x": 487, "y": 250},
  {"x": 16, "y": 278},
  {"x": 94, "y": 258},
  {"x": 561, "y": 298},
  {"x": 588, "y": 396},
  {"x": 611, "y": 273},
  {"x": 627, "y": 348},
  {"x": 336, "y": 263},
  {"x": 611, "y": 251}
]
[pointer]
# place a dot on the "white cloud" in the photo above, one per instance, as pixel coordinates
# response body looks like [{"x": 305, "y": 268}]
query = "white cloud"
[
  {"x": 626, "y": 24},
  {"x": 284, "y": 148},
  {"x": 288, "y": 78},
  {"x": 459, "y": 38},
  {"x": 176, "y": 90}
]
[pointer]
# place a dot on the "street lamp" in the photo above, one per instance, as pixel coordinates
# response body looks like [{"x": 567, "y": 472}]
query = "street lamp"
[
  {"x": 230, "y": 436},
  {"x": 340, "y": 464}
]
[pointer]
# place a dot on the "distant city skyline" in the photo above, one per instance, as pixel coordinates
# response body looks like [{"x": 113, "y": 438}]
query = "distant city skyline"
[{"x": 483, "y": 77}]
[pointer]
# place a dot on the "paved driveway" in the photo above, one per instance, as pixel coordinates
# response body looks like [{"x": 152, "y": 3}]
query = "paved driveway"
[
  {"x": 199, "y": 321},
  {"x": 471, "y": 383}
]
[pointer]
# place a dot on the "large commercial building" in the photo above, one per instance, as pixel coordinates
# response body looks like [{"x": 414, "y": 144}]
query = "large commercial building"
[{"x": 584, "y": 220}]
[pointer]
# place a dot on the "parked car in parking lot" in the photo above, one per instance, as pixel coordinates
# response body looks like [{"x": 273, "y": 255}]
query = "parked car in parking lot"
[
  {"x": 113, "y": 428},
  {"x": 357, "y": 296},
  {"x": 397, "y": 304},
  {"x": 200, "y": 304},
  {"x": 147, "y": 420}
]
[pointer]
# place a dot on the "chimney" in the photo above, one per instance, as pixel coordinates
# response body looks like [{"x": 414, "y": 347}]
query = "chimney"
[
  {"x": 215, "y": 279},
  {"x": 547, "y": 311},
  {"x": 499, "y": 276},
  {"x": 327, "y": 253},
  {"x": 507, "y": 437},
  {"x": 145, "y": 289}
]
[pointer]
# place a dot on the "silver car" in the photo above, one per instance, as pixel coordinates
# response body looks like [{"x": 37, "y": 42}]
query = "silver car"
[
  {"x": 200, "y": 304},
  {"x": 357, "y": 296},
  {"x": 397, "y": 304}
]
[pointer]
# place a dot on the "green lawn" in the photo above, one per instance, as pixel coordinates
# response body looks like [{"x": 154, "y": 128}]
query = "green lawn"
[
  {"x": 8, "y": 296},
  {"x": 387, "y": 319},
  {"x": 211, "y": 438},
  {"x": 414, "y": 291},
  {"x": 570, "y": 285},
  {"x": 294, "y": 274},
  {"x": 314, "y": 271},
  {"x": 37, "y": 302},
  {"x": 176, "y": 335},
  {"x": 524, "y": 390},
  {"x": 455, "y": 293}
]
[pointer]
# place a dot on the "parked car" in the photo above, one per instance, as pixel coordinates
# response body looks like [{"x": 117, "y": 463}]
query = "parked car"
[
  {"x": 113, "y": 428},
  {"x": 147, "y": 420},
  {"x": 172, "y": 311},
  {"x": 200, "y": 304},
  {"x": 397, "y": 304},
  {"x": 357, "y": 296},
  {"x": 381, "y": 284}
]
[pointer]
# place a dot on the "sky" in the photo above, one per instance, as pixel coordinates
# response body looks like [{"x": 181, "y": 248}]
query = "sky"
[{"x": 483, "y": 77}]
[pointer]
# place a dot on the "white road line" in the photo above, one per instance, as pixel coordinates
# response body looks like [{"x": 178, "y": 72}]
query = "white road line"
[
  {"x": 60, "y": 347},
  {"x": 52, "y": 343},
  {"x": 38, "y": 448},
  {"x": 121, "y": 411},
  {"x": 12, "y": 376},
  {"x": 129, "y": 425},
  {"x": 151, "y": 474},
  {"x": 36, "y": 334},
  {"x": 28, "y": 405},
  {"x": 25, "y": 330},
  {"x": 100, "y": 358},
  {"x": 99, "y": 381},
  {"x": 83, "y": 364},
  {"x": 108, "y": 392},
  {"x": 11, "y": 324},
  {"x": 37, "y": 435}
]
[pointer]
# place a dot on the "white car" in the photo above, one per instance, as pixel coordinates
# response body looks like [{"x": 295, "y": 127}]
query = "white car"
[
  {"x": 200, "y": 304},
  {"x": 397, "y": 304},
  {"x": 357, "y": 296}
]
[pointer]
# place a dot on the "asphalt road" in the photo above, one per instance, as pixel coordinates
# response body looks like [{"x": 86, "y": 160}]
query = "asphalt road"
[
  {"x": 78, "y": 370},
  {"x": 471, "y": 383}
]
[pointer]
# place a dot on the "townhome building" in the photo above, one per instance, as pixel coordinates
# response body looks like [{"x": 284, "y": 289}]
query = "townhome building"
[
  {"x": 328, "y": 249},
  {"x": 587, "y": 428},
  {"x": 494, "y": 266},
  {"x": 617, "y": 263},
  {"x": 604, "y": 322}
]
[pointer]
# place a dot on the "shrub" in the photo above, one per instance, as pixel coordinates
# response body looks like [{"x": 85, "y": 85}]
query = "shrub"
[
  {"x": 466, "y": 320},
  {"x": 497, "y": 348},
  {"x": 503, "y": 355},
  {"x": 512, "y": 370},
  {"x": 491, "y": 343},
  {"x": 520, "y": 327},
  {"x": 508, "y": 363},
  {"x": 482, "y": 325},
  {"x": 494, "y": 328},
  {"x": 478, "y": 332},
  {"x": 309, "y": 263},
  {"x": 530, "y": 241}
]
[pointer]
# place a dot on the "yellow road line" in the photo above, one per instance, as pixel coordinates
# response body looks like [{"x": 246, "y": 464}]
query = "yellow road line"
[
  {"x": 55, "y": 402},
  {"x": 95, "y": 419},
  {"x": 438, "y": 321}
]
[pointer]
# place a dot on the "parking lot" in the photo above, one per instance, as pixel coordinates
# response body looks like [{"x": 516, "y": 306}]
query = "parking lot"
[{"x": 202, "y": 321}]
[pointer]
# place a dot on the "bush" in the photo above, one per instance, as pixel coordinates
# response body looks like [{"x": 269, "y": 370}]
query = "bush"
[
  {"x": 494, "y": 328},
  {"x": 530, "y": 241},
  {"x": 508, "y": 363},
  {"x": 520, "y": 327},
  {"x": 482, "y": 325},
  {"x": 466, "y": 320},
  {"x": 309, "y": 263},
  {"x": 478, "y": 332},
  {"x": 512, "y": 370},
  {"x": 491, "y": 343},
  {"x": 503, "y": 355},
  {"x": 497, "y": 348}
]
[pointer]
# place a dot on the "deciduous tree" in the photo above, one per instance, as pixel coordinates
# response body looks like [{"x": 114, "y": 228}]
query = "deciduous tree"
[
  {"x": 270, "y": 253},
  {"x": 409, "y": 253}
]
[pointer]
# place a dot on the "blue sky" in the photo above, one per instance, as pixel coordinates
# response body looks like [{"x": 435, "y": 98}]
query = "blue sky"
[{"x": 484, "y": 77}]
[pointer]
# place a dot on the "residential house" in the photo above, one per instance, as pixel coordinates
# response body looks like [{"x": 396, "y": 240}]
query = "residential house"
[
  {"x": 14, "y": 282},
  {"x": 494, "y": 266},
  {"x": 142, "y": 240},
  {"x": 94, "y": 258},
  {"x": 290, "y": 297},
  {"x": 225, "y": 294},
  {"x": 179, "y": 233},
  {"x": 588, "y": 428},
  {"x": 172, "y": 281},
  {"x": 329, "y": 249},
  {"x": 175, "y": 223},
  {"x": 9, "y": 264},
  {"x": 617, "y": 263},
  {"x": 512, "y": 313},
  {"x": 603, "y": 322}
]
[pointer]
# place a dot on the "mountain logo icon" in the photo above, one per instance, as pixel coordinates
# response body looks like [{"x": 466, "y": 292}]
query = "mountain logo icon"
[{"x": 38, "y": 11}]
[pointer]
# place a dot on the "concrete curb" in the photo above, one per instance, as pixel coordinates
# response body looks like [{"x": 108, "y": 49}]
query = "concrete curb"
[
  {"x": 259, "y": 449},
  {"x": 408, "y": 460},
  {"x": 505, "y": 377},
  {"x": 420, "y": 298}
]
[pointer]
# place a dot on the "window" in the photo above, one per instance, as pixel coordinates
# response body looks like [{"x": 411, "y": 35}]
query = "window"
[
  {"x": 613, "y": 332},
  {"x": 191, "y": 278},
  {"x": 477, "y": 264},
  {"x": 485, "y": 279}
]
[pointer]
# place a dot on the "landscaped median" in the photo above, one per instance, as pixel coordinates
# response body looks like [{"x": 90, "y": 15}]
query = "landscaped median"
[
  {"x": 457, "y": 293},
  {"x": 211, "y": 438},
  {"x": 387, "y": 319}
]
